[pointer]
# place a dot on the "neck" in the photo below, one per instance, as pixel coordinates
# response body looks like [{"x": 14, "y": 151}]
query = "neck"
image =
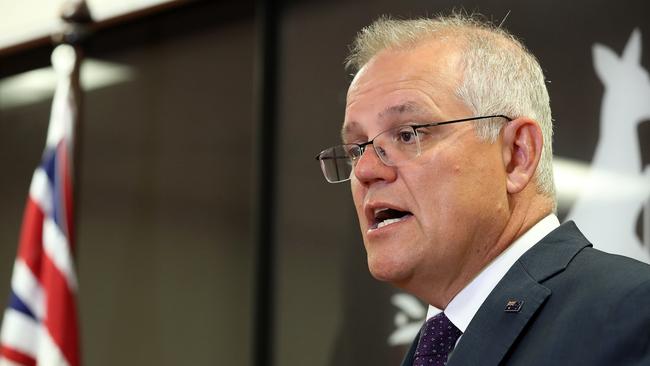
[{"x": 524, "y": 215}]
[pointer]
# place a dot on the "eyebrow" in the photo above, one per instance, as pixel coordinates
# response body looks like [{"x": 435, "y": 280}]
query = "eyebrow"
[
  {"x": 347, "y": 130},
  {"x": 408, "y": 107},
  {"x": 403, "y": 108}
]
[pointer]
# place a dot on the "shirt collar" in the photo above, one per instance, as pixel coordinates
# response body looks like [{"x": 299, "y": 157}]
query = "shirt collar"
[{"x": 466, "y": 303}]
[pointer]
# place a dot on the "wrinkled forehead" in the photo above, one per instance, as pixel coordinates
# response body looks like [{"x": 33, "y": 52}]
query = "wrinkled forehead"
[{"x": 419, "y": 81}]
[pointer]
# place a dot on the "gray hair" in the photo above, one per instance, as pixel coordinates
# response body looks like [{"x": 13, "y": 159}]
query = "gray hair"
[{"x": 500, "y": 75}]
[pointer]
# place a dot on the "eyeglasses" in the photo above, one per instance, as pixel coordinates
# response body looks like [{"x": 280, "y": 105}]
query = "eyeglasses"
[{"x": 393, "y": 147}]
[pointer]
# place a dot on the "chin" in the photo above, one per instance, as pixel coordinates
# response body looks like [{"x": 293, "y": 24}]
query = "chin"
[{"x": 388, "y": 269}]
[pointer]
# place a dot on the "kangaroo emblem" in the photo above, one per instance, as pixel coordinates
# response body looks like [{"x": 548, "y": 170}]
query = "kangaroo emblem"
[
  {"x": 617, "y": 186},
  {"x": 408, "y": 320}
]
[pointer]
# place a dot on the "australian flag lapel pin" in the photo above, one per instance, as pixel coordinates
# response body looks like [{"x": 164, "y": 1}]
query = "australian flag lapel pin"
[{"x": 513, "y": 306}]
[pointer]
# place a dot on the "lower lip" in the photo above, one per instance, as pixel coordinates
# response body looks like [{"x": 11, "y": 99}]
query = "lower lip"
[{"x": 387, "y": 228}]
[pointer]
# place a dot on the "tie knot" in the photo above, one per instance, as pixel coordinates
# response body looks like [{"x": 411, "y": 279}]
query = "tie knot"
[{"x": 437, "y": 338}]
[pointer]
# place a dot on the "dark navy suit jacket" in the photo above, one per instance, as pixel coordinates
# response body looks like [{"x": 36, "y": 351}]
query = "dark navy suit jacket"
[{"x": 579, "y": 306}]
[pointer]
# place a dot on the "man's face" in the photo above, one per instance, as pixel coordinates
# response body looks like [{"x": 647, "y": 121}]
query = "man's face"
[{"x": 446, "y": 204}]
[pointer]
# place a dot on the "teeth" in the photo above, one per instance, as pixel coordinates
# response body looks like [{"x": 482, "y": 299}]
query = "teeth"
[
  {"x": 388, "y": 222},
  {"x": 378, "y": 210}
]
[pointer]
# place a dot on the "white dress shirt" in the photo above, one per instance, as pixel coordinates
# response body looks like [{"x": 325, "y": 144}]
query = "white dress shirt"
[{"x": 465, "y": 304}]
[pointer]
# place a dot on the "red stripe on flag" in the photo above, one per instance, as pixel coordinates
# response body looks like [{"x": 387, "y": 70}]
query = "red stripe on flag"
[
  {"x": 16, "y": 356},
  {"x": 61, "y": 314},
  {"x": 31, "y": 237}
]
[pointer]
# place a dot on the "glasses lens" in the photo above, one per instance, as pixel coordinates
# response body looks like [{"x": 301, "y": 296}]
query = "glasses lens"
[
  {"x": 337, "y": 162},
  {"x": 397, "y": 145}
]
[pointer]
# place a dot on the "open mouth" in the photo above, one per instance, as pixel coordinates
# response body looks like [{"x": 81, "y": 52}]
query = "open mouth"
[{"x": 387, "y": 216}]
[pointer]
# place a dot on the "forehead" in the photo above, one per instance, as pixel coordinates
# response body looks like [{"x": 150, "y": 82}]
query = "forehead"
[{"x": 419, "y": 81}]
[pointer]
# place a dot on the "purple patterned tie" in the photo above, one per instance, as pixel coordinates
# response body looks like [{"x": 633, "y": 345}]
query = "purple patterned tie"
[{"x": 437, "y": 338}]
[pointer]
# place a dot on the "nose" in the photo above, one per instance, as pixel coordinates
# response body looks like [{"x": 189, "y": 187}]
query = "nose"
[{"x": 370, "y": 168}]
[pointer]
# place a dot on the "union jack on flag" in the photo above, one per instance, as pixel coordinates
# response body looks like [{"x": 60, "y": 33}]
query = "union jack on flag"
[{"x": 39, "y": 326}]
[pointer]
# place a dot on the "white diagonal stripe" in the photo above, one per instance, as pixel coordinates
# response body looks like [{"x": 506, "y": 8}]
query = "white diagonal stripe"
[
  {"x": 26, "y": 286},
  {"x": 20, "y": 332},
  {"x": 41, "y": 191},
  {"x": 56, "y": 247},
  {"x": 49, "y": 353}
]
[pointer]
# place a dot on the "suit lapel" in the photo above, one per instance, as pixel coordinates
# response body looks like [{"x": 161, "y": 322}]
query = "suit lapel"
[{"x": 493, "y": 330}]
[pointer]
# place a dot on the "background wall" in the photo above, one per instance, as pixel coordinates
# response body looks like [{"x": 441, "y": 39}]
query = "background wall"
[{"x": 166, "y": 250}]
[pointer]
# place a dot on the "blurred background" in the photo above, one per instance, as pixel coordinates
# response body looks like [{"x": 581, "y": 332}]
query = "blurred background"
[{"x": 206, "y": 234}]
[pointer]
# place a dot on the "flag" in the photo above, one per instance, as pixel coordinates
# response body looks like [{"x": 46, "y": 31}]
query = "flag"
[{"x": 39, "y": 326}]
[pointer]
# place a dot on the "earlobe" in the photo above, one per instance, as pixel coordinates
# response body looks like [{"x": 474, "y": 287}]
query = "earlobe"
[{"x": 522, "y": 150}]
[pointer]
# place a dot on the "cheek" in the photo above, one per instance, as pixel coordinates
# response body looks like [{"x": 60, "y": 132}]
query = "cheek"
[
  {"x": 452, "y": 188},
  {"x": 436, "y": 182},
  {"x": 433, "y": 191},
  {"x": 358, "y": 194},
  {"x": 356, "y": 190}
]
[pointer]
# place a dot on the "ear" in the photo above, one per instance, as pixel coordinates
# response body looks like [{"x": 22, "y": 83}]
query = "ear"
[
  {"x": 522, "y": 150},
  {"x": 632, "y": 51},
  {"x": 605, "y": 61}
]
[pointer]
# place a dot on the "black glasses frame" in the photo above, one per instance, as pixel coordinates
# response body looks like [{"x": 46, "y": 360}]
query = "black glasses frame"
[{"x": 362, "y": 146}]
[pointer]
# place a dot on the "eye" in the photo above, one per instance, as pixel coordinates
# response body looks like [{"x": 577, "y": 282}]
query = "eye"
[
  {"x": 405, "y": 135},
  {"x": 352, "y": 151}
]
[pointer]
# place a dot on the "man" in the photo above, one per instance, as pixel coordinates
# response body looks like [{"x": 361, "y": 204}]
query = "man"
[{"x": 447, "y": 144}]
